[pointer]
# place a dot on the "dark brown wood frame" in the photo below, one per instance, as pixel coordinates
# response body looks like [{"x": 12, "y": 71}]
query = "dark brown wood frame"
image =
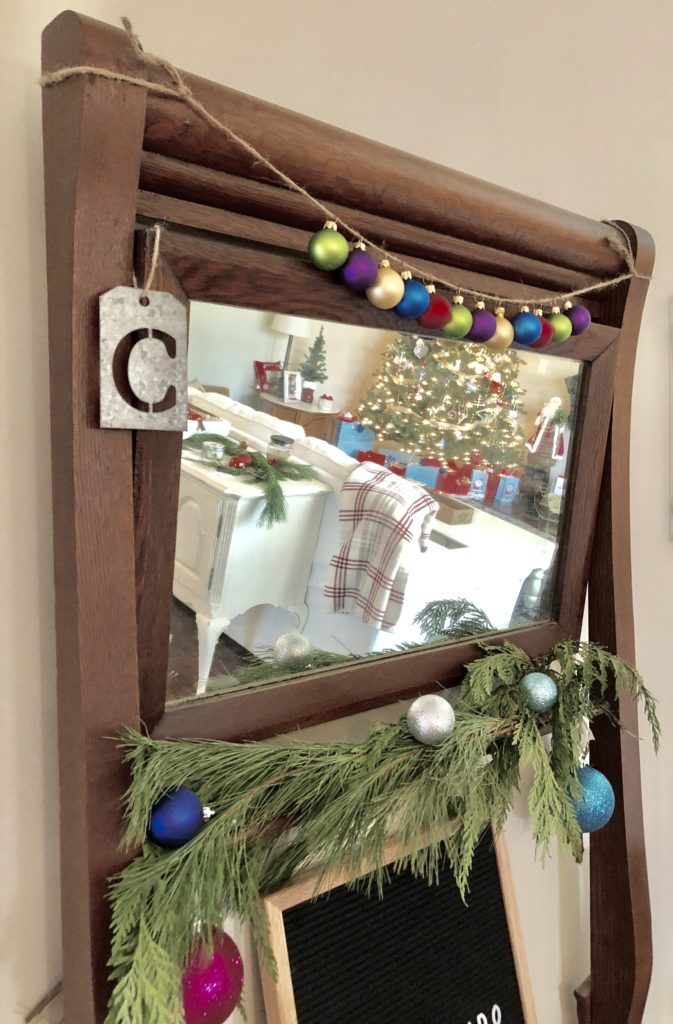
[{"x": 116, "y": 156}]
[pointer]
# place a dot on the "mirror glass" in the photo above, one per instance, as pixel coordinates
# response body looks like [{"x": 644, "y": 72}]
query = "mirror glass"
[{"x": 347, "y": 491}]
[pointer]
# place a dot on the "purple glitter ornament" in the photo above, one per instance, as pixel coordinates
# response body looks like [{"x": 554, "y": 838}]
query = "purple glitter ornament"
[
  {"x": 360, "y": 270},
  {"x": 579, "y": 317},
  {"x": 211, "y": 988},
  {"x": 483, "y": 326}
]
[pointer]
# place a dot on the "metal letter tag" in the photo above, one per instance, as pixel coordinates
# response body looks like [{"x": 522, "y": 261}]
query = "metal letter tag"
[{"x": 138, "y": 333}]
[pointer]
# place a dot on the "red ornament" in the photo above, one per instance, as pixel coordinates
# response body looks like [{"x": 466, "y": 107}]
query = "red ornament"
[
  {"x": 437, "y": 314},
  {"x": 212, "y": 986},
  {"x": 546, "y": 335},
  {"x": 192, "y": 414},
  {"x": 240, "y": 461}
]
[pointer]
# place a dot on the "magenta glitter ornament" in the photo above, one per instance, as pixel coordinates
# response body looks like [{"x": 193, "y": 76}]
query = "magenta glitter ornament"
[
  {"x": 211, "y": 987},
  {"x": 579, "y": 317},
  {"x": 483, "y": 325},
  {"x": 360, "y": 270}
]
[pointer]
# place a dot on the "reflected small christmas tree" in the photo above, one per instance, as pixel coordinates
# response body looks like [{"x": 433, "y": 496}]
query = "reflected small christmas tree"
[
  {"x": 314, "y": 366},
  {"x": 447, "y": 400}
]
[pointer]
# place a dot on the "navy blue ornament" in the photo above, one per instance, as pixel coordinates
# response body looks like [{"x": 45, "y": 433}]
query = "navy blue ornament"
[
  {"x": 527, "y": 328},
  {"x": 598, "y": 799},
  {"x": 176, "y": 818},
  {"x": 540, "y": 690},
  {"x": 415, "y": 300}
]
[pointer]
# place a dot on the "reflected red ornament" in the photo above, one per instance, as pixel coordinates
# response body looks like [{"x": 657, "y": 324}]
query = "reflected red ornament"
[{"x": 212, "y": 985}]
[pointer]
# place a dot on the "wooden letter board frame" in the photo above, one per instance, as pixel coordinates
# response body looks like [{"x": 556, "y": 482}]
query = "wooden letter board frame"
[
  {"x": 279, "y": 1000},
  {"x": 117, "y": 157}
]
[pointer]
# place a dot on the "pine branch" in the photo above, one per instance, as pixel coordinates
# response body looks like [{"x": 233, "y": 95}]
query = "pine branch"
[{"x": 277, "y": 803}]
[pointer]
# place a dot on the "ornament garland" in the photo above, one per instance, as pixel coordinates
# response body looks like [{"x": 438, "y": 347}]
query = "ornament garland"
[
  {"x": 327, "y": 252},
  {"x": 385, "y": 288},
  {"x": 227, "y": 456},
  {"x": 278, "y": 805}
]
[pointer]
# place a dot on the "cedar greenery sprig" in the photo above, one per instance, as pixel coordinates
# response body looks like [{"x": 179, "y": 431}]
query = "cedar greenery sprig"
[
  {"x": 269, "y": 473},
  {"x": 279, "y": 802}
]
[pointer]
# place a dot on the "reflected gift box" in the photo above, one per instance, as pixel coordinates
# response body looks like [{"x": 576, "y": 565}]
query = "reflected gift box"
[
  {"x": 455, "y": 479},
  {"x": 351, "y": 436},
  {"x": 423, "y": 474},
  {"x": 368, "y": 455},
  {"x": 508, "y": 488},
  {"x": 478, "y": 482},
  {"x": 502, "y": 487}
]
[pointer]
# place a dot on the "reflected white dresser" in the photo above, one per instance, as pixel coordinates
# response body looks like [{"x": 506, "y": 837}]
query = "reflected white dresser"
[{"x": 225, "y": 563}]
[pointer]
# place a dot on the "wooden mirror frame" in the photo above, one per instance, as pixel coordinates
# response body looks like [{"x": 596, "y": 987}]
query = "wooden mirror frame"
[{"x": 117, "y": 156}]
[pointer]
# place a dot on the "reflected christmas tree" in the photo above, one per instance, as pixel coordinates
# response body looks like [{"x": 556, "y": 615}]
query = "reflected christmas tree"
[{"x": 448, "y": 400}]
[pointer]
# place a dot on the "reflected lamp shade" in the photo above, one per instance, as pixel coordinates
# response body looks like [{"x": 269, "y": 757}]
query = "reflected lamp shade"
[
  {"x": 292, "y": 327},
  {"x": 296, "y": 326}
]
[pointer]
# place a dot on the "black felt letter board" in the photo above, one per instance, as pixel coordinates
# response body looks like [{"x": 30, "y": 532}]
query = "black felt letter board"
[{"x": 419, "y": 956}]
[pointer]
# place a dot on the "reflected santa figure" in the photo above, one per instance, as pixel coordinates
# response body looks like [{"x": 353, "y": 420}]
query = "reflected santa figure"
[{"x": 546, "y": 440}]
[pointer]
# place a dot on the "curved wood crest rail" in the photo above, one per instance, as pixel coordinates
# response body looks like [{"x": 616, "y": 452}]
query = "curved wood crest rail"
[{"x": 116, "y": 157}]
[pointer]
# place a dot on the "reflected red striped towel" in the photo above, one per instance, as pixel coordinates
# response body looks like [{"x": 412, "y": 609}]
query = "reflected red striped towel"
[{"x": 381, "y": 515}]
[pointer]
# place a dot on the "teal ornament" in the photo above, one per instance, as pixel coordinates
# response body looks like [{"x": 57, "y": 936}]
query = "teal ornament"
[
  {"x": 597, "y": 804},
  {"x": 459, "y": 324},
  {"x": 176, "y": 818},
  {"x": 540, "y": 691},
  {"x": 328, "y": 249}
]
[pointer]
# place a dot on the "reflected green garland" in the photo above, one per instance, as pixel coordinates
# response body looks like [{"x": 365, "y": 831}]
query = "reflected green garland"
[
  {"x": 270, "y": 473},
  {"x": 278, "y": 801}
]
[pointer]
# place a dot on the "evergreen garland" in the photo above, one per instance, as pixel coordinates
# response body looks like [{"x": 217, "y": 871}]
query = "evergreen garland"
[
  {"x": 452, "y": 618},
  {"x": 270, "y": 473},
  {"x": 277, "y": 802}
]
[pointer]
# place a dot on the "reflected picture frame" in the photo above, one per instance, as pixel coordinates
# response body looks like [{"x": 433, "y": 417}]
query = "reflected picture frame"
[
  {"x": 291, "y": 386},
  {"x": 267, "y": 376}
]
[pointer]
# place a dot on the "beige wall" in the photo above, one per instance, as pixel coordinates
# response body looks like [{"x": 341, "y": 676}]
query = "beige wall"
[{"x": 568, "y": 102}]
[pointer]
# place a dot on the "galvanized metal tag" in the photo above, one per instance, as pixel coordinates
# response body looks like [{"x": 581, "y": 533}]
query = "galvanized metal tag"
[{"x": 143, "y": 360}]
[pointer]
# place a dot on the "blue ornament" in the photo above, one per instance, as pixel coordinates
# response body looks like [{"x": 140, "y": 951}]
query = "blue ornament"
[
  {"x": 540, "y": 690},
  {"x": 176, "y": 818},
  {"x": 415, "y": 300},
  {"x": 527, "y": 328},
  {"x": 598, "y": 799}
]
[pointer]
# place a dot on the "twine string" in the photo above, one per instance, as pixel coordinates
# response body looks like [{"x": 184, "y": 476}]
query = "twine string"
[
  {"x": 149, "y": 277},
  {"x": 179, "y": 90}
]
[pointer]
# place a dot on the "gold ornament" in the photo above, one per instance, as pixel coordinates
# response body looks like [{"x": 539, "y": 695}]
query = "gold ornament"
[
  {"x": 388, "y": 288},
  {"x": 504, "y": 332}
]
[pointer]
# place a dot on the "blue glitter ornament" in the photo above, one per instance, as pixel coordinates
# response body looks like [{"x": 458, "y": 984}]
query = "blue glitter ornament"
[
  {"x": 527, "y": 327},
  {"x": 176, "y": 818},
  {"x": 415, "y": 300},
  {"x": 540, "y": 690},
  {"x": 598, "y": 799}
]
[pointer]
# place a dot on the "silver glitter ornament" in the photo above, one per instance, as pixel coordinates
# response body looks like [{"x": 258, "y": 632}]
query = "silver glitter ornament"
[
  {"x": 292, "y": 651},
  {"x": 431, "y": 719},
  {"x": 540, "y": 690}
]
